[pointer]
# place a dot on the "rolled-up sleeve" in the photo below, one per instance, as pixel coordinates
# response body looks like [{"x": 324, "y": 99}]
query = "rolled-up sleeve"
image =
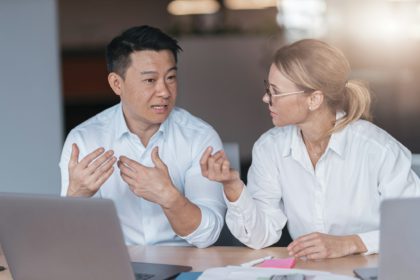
[
  {"x": 396, "y": 179},
  {"x": 206, "y": 194},
  {"x": 256, "y": 218}
]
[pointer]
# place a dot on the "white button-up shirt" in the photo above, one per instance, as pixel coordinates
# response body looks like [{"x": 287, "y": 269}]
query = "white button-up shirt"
[
  {"x": 361, "y": 166},
  {"x": 181, "y": 139}
]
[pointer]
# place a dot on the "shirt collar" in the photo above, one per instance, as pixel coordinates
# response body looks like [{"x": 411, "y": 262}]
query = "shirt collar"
[
  {"x": 122, "y": 128},
  {"x": 337, "y": 142},
  {"x": 338, "y": 139}
]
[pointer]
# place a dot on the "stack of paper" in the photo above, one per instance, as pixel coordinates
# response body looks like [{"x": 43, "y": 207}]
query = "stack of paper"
[{"x": 256, "y": 273}]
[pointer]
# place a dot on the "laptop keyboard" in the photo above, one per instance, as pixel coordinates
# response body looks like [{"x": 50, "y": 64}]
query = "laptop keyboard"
[{"x": 143, "y": 276}]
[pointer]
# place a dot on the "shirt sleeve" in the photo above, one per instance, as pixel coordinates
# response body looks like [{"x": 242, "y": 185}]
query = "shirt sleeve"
[
  {"x": 64, "y": 162},
  {"x": 206, "y": 194},
  {"x": 256, "y": 218},
  {"x": 395, "y": 179}
]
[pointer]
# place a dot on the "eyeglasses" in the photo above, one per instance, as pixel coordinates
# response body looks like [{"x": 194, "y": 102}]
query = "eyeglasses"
[{"x": 275, "y": 93}]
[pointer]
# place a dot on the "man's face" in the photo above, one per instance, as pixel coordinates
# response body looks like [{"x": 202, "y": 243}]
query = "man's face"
[{"x": 148, "y": 92}]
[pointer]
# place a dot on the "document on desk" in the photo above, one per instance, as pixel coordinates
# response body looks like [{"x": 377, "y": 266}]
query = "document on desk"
[{"x": 256, "y": 273}]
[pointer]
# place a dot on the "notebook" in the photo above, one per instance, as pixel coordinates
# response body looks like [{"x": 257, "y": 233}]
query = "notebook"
[
  {"x": 69, "y": 238},
  {"x": 399, "y": 255}
]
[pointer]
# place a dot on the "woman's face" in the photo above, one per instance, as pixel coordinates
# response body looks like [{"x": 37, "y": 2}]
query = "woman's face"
[{"x": 290, "y": 106}]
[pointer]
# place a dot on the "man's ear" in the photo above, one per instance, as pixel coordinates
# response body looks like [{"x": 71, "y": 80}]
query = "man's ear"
[
  {"x": 315, "y": 100},
  {"x": 115, "y": 82}
]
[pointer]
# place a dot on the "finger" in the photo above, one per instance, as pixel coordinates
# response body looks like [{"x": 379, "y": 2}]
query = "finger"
[
  {"x": 74, "y": 157},
  {"x": 217, "y": 167},
  {"x": 132, "y": 164},
  {"x": 156, "y": 159},
  {"x": 130, "y": 181},
  {"x": 127, "y": 171},
  {"x": 302, "y": 238},
  {"x": 305, "y": 249},
  {"x": 303, "y": 245},
  {"x": 100, "y": 161},
  {"x": 226, "y": 168},
  {"x": 219, "y": 155},
  {"x": 105, "y": 167},
  {"x": 315, "y": 256},
  {"x": 308, "y": 251},
  {"x": 90, "y": 157},
  {"x": 205, "y": 160},
  {"x": 104, "y": 176}
]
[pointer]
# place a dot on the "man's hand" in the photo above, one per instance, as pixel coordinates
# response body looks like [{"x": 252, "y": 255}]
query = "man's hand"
[
  {"x": 217, "y": 168},
  {"x": 88, "y": 175},
  {"x": 321, "y": 246},
  {"x": 151, "y": 183}
]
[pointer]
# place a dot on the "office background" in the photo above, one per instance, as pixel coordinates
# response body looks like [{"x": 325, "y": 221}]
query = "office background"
[{"x": 53, "y": 73}]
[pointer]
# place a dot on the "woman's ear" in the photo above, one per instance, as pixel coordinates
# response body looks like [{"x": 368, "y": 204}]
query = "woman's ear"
[
  {"x": 115, "y": 82},
  {"x": 315, "y": 100}
]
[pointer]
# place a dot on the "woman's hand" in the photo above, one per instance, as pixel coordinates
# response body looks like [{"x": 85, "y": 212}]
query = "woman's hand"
[
  {"x": 321, "y": 246},
  {"x": 217, "y": 168}
]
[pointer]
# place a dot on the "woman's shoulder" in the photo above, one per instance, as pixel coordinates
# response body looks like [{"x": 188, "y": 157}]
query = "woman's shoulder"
[
  {"x": 277, "y": 135},
  {"x": 371, "y": 134}
]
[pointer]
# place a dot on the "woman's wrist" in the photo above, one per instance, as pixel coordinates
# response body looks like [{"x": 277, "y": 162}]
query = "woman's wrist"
[
  {"x": 233, "y": 189},
  {"x": 357, "y": 246}
]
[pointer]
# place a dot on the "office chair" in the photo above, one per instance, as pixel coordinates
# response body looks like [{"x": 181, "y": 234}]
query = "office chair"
[
  {"x": 232, "y": 152},
  {"x": 415, "y": 163}
]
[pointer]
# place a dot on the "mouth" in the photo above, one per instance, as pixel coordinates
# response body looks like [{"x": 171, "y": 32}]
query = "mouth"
[{"x": 159, "y": 108}]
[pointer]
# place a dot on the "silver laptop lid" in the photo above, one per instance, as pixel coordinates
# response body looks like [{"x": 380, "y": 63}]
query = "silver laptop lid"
[
  {"x": 399, "y": 256},
  {"x": 62, "y": 238}
]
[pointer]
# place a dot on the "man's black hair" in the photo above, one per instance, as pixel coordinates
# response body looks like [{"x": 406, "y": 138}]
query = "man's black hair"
[{"x": 137, "y": 38}]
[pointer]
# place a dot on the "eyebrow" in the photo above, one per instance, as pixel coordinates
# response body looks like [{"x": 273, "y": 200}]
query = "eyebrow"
[{"x": 155, "y": 72}]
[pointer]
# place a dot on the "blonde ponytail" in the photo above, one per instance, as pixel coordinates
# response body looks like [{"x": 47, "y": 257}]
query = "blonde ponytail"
[{"x": 357, "y": 100}]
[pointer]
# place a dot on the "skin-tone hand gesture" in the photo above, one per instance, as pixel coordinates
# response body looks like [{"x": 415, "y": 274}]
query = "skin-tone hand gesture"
[
  {"x": 154, "y": 184},
  {"x": 89, "y": 174},
  {"x": 321, "y": 246},
  {"x": 217, "y": 168},
  {"x": 151, "y": 183}
]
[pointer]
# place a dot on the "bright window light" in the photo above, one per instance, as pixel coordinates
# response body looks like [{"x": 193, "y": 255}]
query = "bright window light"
[
  {"x": 306, "y": 17},
  {"x": 193, "y": 7},
  {"x": 250, "y": 4}
]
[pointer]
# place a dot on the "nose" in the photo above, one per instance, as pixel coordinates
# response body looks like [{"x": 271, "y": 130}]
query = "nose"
[
  {"x": 266, "y": 98},
  {"x": 163, "y": 90}
]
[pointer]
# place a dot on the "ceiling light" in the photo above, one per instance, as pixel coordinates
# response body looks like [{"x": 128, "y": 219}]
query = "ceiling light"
[
  {"x": 193, "y": 7},
  {"x": 250, "y": 4}
]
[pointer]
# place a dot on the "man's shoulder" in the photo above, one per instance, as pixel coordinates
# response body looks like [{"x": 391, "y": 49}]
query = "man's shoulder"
[
  {"x": 183, "y": 120},
  {"x": 98, "y": 123}
]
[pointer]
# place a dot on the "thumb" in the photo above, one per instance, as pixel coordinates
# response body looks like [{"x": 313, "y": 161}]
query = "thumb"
[
  {"x": 74, "y": 157},
  {"x": 156, "y": 159}
]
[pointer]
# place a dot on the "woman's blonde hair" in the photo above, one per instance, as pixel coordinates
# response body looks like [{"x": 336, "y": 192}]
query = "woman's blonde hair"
[{"x": 315, "y": 65}]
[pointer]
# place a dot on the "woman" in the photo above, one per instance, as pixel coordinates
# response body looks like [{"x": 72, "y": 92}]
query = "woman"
[{"x": 324, "y": 168}]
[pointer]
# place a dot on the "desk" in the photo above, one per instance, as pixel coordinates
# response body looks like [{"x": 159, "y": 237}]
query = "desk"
[{"x": 200, "y": 259}]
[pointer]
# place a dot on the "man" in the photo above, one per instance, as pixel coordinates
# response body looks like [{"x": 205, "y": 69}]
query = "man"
[{"x": 144, "y": 152}]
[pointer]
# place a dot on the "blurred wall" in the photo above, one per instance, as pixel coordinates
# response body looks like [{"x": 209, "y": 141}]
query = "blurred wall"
[
  {"x": 226, "y": 56},
  {"x": 30, "y": 106},
  {"x": 221, "y": 80}
]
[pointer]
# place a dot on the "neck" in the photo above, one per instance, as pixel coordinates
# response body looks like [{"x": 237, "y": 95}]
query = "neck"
[
  {"x": 143, "y": 130},
  {"x": 315, "y": 129},
  {"x": 144, "y": 133},
  {"x": 315, "y": 133}
]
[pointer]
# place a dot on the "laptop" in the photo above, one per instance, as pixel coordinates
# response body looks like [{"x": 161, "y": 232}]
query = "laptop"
[
  {"x": 399, "y": 256},
  {"x": 49, "y": 238}
]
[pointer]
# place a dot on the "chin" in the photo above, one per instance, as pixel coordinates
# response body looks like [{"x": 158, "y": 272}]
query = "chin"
[{"x": 278, "y": 123}]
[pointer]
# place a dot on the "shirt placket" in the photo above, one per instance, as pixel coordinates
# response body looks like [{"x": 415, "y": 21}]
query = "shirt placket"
[
  {"x": 147, "y": 221},
  {"x": 320, "y": 189}
]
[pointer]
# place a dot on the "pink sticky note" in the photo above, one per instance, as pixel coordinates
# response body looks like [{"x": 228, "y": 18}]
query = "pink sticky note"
[{"x": 279, "y": 263}]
